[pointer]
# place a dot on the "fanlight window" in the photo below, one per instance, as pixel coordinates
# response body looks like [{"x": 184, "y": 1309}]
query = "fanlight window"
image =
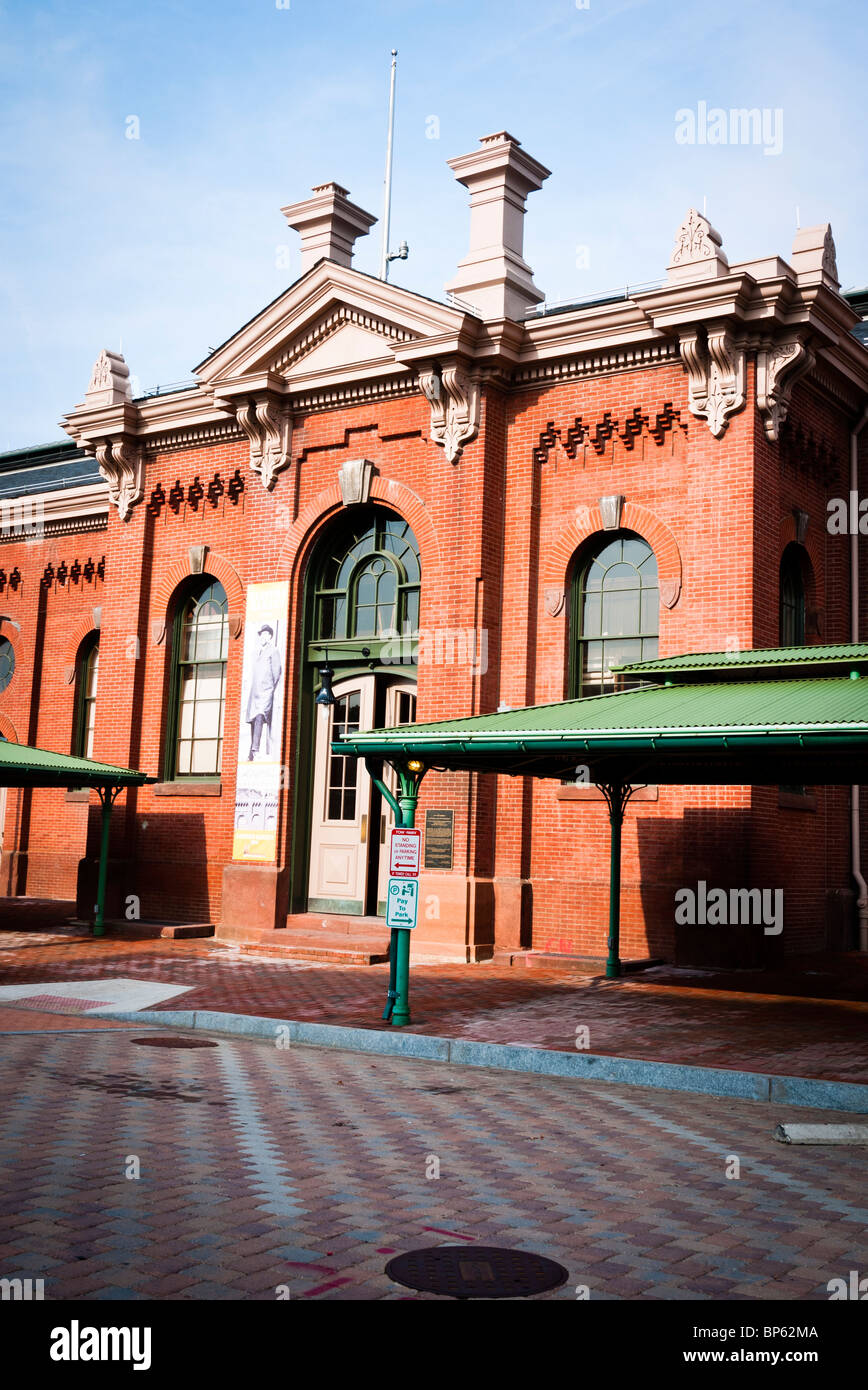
[{"x": 368, "y": 584}]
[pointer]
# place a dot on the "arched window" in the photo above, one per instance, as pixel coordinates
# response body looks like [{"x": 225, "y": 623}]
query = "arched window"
[
  {"x": 86, "y": 674},
  {"x": 368, "y": 580},
  {"x": 792, "y": 591},
  {"x": 198, "y": 691},
  {"x": 615, "y": 612},
  {"x": 7, "y": 662}
]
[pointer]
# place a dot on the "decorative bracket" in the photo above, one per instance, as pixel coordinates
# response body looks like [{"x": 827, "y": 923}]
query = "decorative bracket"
[
  {"x": 268, "y": 425},
  {"x": 455, "y": 402},
  {"x": 715, "y": 365},
  {"x": 778, "y": 369},
  {"x": 122, "y": 465}
]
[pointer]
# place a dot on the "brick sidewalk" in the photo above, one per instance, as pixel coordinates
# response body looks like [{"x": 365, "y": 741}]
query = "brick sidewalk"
[
  {"x": 642, "y": 1017},
  {"x": 261, "y": 1168}
]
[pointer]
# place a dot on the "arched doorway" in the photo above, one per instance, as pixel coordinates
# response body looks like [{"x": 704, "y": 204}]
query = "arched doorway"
[{"x": 363, "y": 606}]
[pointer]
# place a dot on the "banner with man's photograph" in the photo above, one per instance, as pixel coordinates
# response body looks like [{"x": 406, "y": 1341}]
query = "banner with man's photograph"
[{"x": 260, "y": 737}]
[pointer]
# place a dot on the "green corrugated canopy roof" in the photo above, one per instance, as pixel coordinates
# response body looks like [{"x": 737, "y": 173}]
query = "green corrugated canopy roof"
[
  {"x": 21, "y": 766},
  {"x": 801, "y": 727},
  {"x": 835, "y": 659}
]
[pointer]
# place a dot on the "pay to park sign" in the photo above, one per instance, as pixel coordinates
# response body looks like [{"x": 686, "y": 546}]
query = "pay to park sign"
[{"x": 402, "y": 899}]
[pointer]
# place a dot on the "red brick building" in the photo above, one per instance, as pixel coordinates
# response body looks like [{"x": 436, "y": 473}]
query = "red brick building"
[{"x": 481, "y": 502}]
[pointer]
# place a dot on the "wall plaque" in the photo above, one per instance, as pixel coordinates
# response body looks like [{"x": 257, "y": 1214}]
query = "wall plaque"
[{"x": 438, "y": 839}]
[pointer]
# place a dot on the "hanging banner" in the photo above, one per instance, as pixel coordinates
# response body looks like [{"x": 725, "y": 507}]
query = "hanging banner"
[{"x": 260, "y": 734}]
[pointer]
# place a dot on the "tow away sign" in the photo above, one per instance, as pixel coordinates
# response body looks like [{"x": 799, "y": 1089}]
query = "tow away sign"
[
  {"x": 405, "y": 853},
  {"x": 402, "y": 902}
]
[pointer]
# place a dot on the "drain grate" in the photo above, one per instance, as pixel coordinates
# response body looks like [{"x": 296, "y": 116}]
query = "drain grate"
[
  {"x": 482, "y": 1271},
  {"x": 172, "y": 1042}
]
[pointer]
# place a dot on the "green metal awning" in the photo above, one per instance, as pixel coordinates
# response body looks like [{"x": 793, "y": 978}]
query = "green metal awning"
[
  {"x": 758, "y": 718},
  {"x": 733, "y": 732},
  {"x": 21, "y": 766}
]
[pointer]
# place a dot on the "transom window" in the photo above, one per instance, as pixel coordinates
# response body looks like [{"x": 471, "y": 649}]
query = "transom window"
[
  {"x": 368, "y": 583},
  {"x": 615, "y": 613},
  {"x": 201, "y": 653}
]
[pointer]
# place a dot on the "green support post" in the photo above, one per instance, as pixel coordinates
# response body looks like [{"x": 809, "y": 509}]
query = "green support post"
[
  {"x": 409, "y": 796},
  {"x": 107, "y": 797},
  {"x": 409, "y": 776},
  {"x": 617, "y": 795},
  {"x": 374, "y": 768}
]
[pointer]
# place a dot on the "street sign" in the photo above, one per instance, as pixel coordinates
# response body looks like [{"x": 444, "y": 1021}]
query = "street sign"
[
  {"x": 402, "y": 902},
  {"x": 405, "y": 853}
]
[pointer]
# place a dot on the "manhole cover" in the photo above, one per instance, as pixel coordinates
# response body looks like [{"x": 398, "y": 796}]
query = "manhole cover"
[
  {"x": 172, "y": 1042},
  {"x": 479, "y": 1271}
]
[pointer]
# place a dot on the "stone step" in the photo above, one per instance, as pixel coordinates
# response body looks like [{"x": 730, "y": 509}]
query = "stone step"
[
  {"x": 311, "y": 936},
  {"x": 122, "y": 930}
]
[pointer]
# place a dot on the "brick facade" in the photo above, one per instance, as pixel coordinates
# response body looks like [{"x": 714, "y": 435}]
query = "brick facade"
[{"x": 501, "y": 532}]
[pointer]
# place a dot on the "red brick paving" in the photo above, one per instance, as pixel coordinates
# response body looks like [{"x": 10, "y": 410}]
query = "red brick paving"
[{"x": 649, "y": 1017}]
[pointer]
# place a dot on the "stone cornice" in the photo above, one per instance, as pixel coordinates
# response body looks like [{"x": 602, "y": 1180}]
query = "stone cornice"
[{"x": 760, "y": 307}]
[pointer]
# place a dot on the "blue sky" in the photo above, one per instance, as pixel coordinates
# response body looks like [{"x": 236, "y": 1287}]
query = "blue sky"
[{"x": 167, "y": 243}]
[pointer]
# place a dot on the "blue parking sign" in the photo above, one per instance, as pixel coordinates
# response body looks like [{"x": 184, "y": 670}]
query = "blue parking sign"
[{"x": 402, "y": 902}]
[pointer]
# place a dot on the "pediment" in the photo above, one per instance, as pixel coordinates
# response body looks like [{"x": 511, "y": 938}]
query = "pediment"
[
  {"x": 331, "y": 320},
  {"x": 340, "y": 338}
]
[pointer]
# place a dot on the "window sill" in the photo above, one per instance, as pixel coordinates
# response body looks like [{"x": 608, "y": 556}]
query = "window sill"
[
  {"x": 593, "y": 793},
  {"x": 797, "y": 801},
  {"x": 191, "y": 788}
]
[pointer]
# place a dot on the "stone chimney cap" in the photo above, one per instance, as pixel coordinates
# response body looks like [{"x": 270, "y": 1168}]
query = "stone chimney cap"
[
  {"x": 329, "y": 188},
  {"x": 328, "y": 224},
  {"x": 500, "y": 156}
]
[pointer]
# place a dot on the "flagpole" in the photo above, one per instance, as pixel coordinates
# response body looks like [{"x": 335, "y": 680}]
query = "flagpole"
[{"x": 387, "y": 195}]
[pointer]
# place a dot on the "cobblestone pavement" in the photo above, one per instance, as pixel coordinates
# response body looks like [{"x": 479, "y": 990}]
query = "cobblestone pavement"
[
  {"x": 262, "y": 1167},
  {"x": 651, "y": 1018}
]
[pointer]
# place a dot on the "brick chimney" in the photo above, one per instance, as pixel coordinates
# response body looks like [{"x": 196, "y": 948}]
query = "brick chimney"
[
  {"x": 494, "y": 277},
  {"x": 328, "y": 224}
]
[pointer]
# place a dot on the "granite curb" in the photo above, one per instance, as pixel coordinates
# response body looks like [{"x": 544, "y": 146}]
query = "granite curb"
[{"x": 808, "y": 1092}]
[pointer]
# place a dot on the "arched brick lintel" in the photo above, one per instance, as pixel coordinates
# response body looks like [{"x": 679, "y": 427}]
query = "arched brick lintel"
[
  {"x": 219, "y": 568},
  {"x": 327, "y": 504},
  {"x": 634, "y": 517},
  {"x": 7, "y": 729}
]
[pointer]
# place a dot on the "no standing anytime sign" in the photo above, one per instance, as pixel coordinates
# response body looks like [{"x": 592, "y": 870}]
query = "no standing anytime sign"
[{"x": 405, "y": 853}]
